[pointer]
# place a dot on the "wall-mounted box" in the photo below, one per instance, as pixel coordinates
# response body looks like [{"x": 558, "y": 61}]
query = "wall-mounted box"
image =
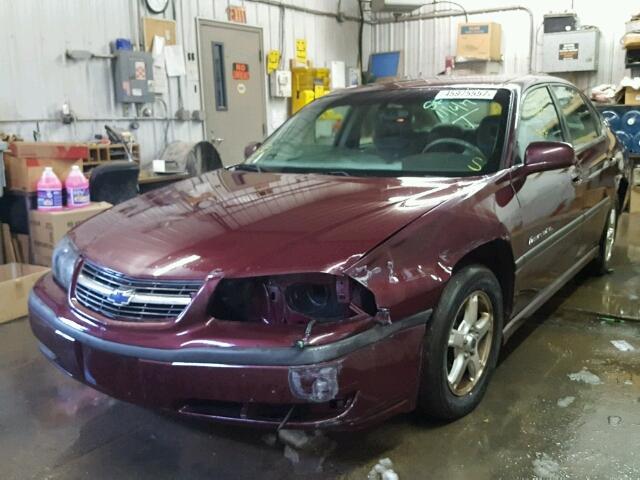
[
  {"x": 560, "y": 22},
  {"x": 280, "y": 83},
  {"x": 396, "y": 6},
  {"x": 570, "y": 51},
  {"x": 133, "y": 74},
  {"x": 479, "y": 41}
]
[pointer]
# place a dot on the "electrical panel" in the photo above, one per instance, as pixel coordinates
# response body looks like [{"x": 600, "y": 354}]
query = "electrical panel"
[
  {"x": 396, "y": 6},
  {"x": 560, "y": 22},
  {"x": 573, "y": 51},
  {"x": 133, "y": 75},
  {"x": 280, "y": 83}
]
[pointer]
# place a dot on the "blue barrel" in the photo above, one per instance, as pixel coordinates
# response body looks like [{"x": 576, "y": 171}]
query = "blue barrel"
[
  {"x": 625, "y": 139},
  {"x": 612, "y": 118},
  {"x": 635, "y": 144},
  {"x": 631, "y": 122}
]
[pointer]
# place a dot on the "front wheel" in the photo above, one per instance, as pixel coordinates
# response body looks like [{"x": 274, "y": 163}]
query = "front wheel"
[{"x": 461, "y": 344}]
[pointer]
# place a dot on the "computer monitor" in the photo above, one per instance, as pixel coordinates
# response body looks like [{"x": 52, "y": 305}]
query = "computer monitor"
[{"x": 384, "y": 64}]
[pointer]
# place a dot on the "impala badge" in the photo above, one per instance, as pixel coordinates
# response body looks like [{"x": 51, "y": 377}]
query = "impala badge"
[{"x": 539, "y": 236}]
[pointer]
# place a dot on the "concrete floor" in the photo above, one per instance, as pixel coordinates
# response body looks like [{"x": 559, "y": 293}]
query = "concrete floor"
[{"x": 535, "y": 422}]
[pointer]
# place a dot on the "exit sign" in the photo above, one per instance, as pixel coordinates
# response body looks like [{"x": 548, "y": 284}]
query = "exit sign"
[{"x": 237, "y": 14}]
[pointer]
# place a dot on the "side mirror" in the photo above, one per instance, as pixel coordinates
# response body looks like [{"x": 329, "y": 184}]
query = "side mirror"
[
  {"x": 543, "y": 156},
  {"x": 250, "y": 148}
]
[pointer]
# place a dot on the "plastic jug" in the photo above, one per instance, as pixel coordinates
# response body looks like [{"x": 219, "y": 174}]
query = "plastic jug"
[
  {"x": 49, "y": 191},
  {"x": 77, "y": 188}
]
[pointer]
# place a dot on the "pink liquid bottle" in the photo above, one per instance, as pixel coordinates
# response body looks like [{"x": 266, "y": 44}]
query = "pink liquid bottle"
[
  {"x": 77, "y": 188},
  {"x": 49, "y": 191}
]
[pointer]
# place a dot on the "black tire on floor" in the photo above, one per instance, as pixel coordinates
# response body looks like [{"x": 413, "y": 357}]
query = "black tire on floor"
[
  {"x": 436, "y": 399},
  {"x": 602, "y": 265}
]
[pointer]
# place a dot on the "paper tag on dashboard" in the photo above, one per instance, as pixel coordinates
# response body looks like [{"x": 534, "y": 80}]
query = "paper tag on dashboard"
[{"x": 466, "y": 94}]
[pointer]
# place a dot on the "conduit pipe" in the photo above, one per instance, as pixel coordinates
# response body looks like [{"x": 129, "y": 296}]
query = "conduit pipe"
[
  {"x": 436, "y": 15},
  {"x": 338, "y": 16}
]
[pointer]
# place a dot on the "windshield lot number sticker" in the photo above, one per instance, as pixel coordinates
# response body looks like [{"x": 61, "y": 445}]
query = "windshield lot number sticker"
[{"x": 466, "y": 93}]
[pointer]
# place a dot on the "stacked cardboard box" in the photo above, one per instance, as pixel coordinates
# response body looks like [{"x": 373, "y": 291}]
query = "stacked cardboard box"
[
  {"x": 46, "y": 228},
  {"x": 25, "y": 162}
]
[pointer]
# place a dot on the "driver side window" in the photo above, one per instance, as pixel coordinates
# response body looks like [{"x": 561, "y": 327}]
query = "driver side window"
[{"x": 539, "y": 121}]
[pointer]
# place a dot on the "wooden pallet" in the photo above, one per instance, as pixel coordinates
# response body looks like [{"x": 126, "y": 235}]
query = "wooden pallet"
[{"x": 100, "y": 153}]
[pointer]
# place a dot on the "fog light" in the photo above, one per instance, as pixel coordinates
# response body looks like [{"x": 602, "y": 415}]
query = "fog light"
[{"x": 316, "y": 384}]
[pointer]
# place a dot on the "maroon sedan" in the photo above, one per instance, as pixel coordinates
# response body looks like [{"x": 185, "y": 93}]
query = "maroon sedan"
[{"x": 370, "y": 258}]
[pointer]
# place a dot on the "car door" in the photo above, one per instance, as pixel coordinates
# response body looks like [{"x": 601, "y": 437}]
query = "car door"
[
  {"x": 545, "y": 245},
  {"x": 595, "y": 169}
]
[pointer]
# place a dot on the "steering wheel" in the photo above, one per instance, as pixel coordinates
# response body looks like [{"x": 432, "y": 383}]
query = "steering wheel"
[{"x": 468, "y": 146}]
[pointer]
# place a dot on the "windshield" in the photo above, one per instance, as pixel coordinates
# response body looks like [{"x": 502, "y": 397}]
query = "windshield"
[{"x": 436, "y": 131}]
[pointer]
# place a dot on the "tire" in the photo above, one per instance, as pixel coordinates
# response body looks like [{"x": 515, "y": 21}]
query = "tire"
[
  {"x": 602, "y": 264},
  {"x": 438, "y": 398}
]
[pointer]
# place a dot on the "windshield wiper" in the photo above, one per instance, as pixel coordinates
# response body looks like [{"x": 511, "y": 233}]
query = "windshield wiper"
[{"x": 338, "y": 173}]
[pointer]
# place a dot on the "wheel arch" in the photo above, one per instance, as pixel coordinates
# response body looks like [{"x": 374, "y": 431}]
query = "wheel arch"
[{"x": 497, "y": 256}]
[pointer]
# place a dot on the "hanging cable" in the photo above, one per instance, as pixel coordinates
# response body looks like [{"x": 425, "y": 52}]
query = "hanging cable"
[{"x": 360, "y": 35}]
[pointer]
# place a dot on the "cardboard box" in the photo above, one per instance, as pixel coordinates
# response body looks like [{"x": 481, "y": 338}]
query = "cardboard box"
[
  {"x": 631, "y": 40},
  {"x": 58, "y": 150},
  {"x": 48, "y": 228},
  {"x": 25, "y": 161},
  {"x": 482, "y": 41},
  {"x": 23, "y": 173},
  {"x": 16, "y": 281},
  {"x": 631, "y": 96}
]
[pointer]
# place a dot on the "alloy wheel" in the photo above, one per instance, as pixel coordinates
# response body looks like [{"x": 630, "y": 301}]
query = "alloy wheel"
[
  {"x": 610, "y": 236},
  {"x": 469, "y": 344}
]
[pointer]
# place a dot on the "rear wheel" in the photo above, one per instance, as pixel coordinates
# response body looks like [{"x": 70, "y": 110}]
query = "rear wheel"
[
  {"x": 602, "y": 264},
  {"x": 461, "y": 344}
]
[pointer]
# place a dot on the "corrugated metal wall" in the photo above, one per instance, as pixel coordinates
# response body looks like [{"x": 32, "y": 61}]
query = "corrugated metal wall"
[
  {"x": 426, "y": 43},
  {"x": 36, "y": 78}
]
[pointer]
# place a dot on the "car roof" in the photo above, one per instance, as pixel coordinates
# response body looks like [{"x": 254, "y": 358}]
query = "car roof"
[{"x": 521, "y": 82}]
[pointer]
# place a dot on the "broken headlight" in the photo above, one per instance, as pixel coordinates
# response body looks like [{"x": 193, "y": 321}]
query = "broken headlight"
[{"x": 291, "y": 299}]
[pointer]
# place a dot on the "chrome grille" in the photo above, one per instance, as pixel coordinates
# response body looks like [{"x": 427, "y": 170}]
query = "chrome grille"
[{"x": 117, "y": 296}]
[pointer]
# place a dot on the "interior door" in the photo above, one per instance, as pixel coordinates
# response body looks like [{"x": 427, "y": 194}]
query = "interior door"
[
  {"x": 595, "y": 173},
  {"x": 233, "y": 86},
  {"x": 546, "y": 244}
]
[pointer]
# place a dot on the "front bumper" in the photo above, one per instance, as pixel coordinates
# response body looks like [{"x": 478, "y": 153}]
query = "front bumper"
[{"x": 370, "y": 376}]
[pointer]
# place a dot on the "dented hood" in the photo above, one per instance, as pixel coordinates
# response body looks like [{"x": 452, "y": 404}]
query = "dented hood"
[{"x": 246, "y": 224}]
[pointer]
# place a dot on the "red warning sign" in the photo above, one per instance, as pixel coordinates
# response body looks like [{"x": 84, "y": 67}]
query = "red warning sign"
[{"x": 240, "y": 71}]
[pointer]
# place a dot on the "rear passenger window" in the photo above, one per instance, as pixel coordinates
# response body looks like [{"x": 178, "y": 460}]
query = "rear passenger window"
[
  {"x": 580, "y": 120},
  {"x": 538, "y": 120}
]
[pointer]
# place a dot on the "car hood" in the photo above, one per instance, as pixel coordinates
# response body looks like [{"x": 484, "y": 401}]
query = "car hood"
[{"x": 248, "y": 224}]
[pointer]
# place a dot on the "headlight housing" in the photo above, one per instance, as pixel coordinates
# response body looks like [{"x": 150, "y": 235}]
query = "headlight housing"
[
  {"x": 291, "y": 299},
  {"x": 63, "y": 262}
]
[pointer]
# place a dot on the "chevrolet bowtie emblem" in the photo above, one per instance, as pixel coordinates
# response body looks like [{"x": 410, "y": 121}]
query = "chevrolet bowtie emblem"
[{"x": 121, "y": 297}]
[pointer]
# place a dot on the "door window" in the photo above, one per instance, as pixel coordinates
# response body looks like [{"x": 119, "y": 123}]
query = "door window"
[
  {"x": 538, "y": 120},
  {"x": 579, "y": 118},
  {"x": 219, "y": 81}
]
